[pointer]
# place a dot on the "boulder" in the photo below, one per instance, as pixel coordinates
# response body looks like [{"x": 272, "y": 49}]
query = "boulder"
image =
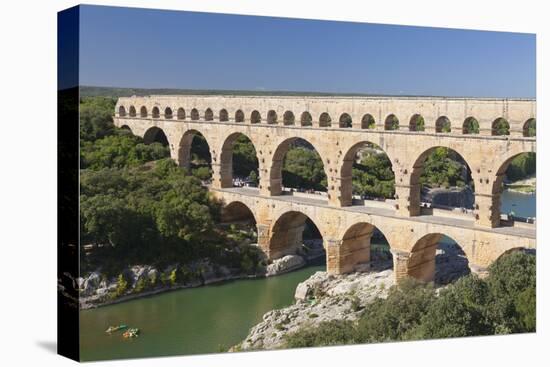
[
  {"x": 285, "y": 264},
  {"x": 91, "y": 283}
]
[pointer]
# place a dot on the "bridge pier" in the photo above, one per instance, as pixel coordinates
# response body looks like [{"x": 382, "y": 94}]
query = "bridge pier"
[
  {"x": 400, "y": 264},
  {"x": 408, "y": 200}
]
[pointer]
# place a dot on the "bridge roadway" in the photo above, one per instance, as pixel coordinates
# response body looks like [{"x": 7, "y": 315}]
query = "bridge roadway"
[{"x": 528, "y": 230}]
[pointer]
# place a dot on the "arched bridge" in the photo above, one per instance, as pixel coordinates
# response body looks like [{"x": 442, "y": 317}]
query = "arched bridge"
[{"x": 406, "y": 128}]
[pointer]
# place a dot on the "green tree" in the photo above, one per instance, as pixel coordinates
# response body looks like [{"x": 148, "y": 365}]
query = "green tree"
[
  {"x": 458, "y": 311},
  {"x": 253, "y": 176},
  {"x": 509, "y": 277},
  {"x": 121, "y": 285},
  {"x": 96, "y": 119},
  {"x": 392, "y": 318},
  {"x": 444, "y": 168},
  {"x": 522, "y": 166},
  {"x": 303, "y": 168},
  {"x": 334, "y": 332}
]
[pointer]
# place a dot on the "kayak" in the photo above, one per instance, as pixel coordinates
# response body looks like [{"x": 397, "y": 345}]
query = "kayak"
[
  {"x": 112, "y": 329},
  {"x": 131, "y": 333}
]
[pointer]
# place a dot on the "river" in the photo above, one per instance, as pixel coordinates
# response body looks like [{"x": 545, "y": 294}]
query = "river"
[
  {"x": 523, "y": 205},
  {"x": 187, "y": 321},
  {"x": 206, "y": 319}
]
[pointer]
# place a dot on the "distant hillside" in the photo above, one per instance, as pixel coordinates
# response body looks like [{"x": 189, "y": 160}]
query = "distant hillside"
[{"x": 89, "y": 91}]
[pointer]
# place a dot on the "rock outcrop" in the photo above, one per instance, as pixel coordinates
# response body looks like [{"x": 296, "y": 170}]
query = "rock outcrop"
[
  {"x": 322, "y": 297},
  {"x": 285, "y": 264}
]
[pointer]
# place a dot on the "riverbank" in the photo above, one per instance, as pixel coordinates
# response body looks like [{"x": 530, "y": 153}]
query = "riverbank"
[
  {"x": 526, "y": 186},
  {"x": 325, "y": 297},
  {"x": 97, "y": 290},
  {"x": 320, "y": 298}
]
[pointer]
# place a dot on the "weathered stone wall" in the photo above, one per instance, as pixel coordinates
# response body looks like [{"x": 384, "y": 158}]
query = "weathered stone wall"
[
  {"x": 347, "y": 232},
  {"x": 487, "y": 156},
  {"x": 272, "y": 123},
  {"x": 457, "y": 110}
]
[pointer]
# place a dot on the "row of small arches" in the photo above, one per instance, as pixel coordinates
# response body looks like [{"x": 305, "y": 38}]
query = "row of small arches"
[{"x": 500, "y": 126}]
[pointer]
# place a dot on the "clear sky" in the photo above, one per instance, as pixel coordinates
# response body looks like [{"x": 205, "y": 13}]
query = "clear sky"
[{"x": 142, "y": 48}]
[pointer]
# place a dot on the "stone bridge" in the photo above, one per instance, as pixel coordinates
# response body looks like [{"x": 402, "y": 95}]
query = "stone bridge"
[{"x": 337, "y": 127}]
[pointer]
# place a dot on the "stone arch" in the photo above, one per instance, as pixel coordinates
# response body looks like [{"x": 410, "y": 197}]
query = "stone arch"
[
  {"x": 122, "y": 111},
  {"x": 443, "y": 125},
  {"x": 470, "y": 126},
  {"x": 255, "y": 117},
  {"x": 226, "y": 159},
  {"x": 355, "y": 251},
  {"x": 272, "y": 117},
  {"x": 143, "y": 111},
  {"x": 224, "y": 116},
  {"x": 132, "y": 111},
  {"x": 237, "y": 211},
  {"x": 325, "y": 120},
  {"x": 155, "y": 134},
  {"x": 181, "y": 113},
  {"x": 155, "y": 112},
  {"x": 500, "y": 127},
  {"x": 346, "y": 170},
  {"x": 530, "y": 128},
  {"x": 276, "y": 169},
  {"x": 345, "y": 121},
  {"x": 288, "y": 118},
  {"x": 185, "y": 145},
  {"x": 286, "y": 233},
  {"x": 195, "y": 114},
  {"x": 239, "y": 116},
  {"x": 526, "y": 250},
  {"x": 418, "y": 169},
  {"x": 306, "y": 119},
  {"x": 127, "y": 128},
  {"x": 168, "y": 113},
  {"x": 368, "y": 122},
  {"x": 391, "y": 122},
  {"x": 422, "y": 262},
  {"x": 416, "y": 123},
  {"x": 208, "y": 114}
]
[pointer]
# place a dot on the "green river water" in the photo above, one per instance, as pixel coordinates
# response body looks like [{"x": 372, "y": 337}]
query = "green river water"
[{"x": 187, "y": 321}]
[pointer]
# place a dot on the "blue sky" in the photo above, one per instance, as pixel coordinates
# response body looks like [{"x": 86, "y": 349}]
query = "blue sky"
[{"x": 142, "y": 48}]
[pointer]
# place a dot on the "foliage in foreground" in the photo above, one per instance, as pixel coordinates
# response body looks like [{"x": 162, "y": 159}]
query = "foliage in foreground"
[{"x": 503, "y": 303}]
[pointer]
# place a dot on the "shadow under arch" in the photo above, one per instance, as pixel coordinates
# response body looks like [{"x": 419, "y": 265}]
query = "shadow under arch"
[
  {"x": 437, "y": 258},
  {"x": 461, "y": 179},
  {"x": 237, "y": 211},
  {"x": 369, "y": 152},
  {"x": 276, "y": 176},
  {"x": 194, "y": 151},
  {"x": 127, "y": 129},
  {"x": 290, "y": 231},
  {"x": 363, "y": 247},
  {"x": 155, "y": 134},
  {"x": 239, "y": 220},
  {"x": 246, "y": 165}
]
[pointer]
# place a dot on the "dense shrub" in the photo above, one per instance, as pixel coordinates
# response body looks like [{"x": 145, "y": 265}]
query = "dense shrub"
[
  {"x": 503, "y": 303},
  {"x": 326, "y": 333}
]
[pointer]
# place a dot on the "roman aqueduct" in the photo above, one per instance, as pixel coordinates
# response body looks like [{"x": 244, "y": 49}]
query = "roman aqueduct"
[{"x": 337, "y": 127}]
